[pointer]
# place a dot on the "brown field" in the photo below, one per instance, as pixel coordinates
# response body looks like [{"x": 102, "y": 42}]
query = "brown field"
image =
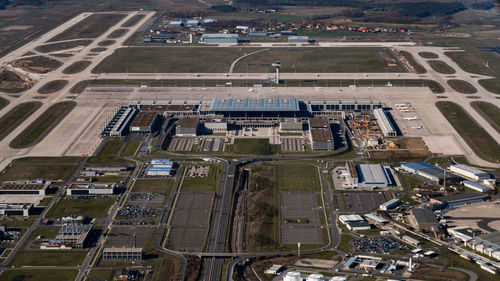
[{"x": 62, "y": 46}]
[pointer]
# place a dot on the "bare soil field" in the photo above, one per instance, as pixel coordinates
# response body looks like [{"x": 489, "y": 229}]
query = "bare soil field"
[
  {"x": 11, "y": 82},
  {"x": 38, "y": 64},
  {"x": 62, "y": 46}
]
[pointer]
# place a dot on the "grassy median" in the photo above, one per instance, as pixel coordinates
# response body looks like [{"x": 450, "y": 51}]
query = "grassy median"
[
  {"x": 16, "y": 116},
  {"x": 489, "y": 111}
]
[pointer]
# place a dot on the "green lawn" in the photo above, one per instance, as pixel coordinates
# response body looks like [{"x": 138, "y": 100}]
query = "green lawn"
[
  {"x": 169, "y": 60},
  {"x": 103, "y": 274},
  {"x": 492, "y": 85},
  {"x": 38, "y": 274},
  {"x": 92, "y": 208},
  {"x": 462, "y": 86},
  {"x": 479, "y": 140},
  {"x": 489, "y": 111},
  {"x": 50, "y": 168},
  {"x": 42, "y": 126},
  {"x": 253, "y": 147},
  {"x": 208, "y": 183},
  {"x": 130, "y": 148},
  {"x": 49, "y": 258},
  {"x": 16, "y": 116},
  {"x": 319, "y": 60},
  {"x": 109, "y": 153},
  {"x": 441, "y": 67},
  {"x": 409, "y": 57},
  {"x": 296, "y": 177},
  {"x": 474, "y": 61},
  {"x": 153, "y": 185}
]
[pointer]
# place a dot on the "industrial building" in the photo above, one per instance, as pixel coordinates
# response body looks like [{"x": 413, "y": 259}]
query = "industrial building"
[
  {"x": 298, "y": 39},
  {"x": 372, "y": 175},
  {"x": 428, "y": 171},
  {"x": 218, "y": 125},
  {"x": 460, "y": 199},
  {"x": 122, "y": 254},
  {"x": 160, "y": 167},
  {"x": 487, "y": 244},
  {"x": 25, "y": 187},
  {"x": 413, "y": 167},
  {"x": 119, "y": 125},
  {"x": 354, "y": 222},
  {"x": 91, "y": 189},
  {"x": 469, "y": 172},
  {"x": 476, "y": 186},
  {"x": 74, "y": 234},
  {"x": 391, "y": 204},
  {"x": 16, "y": 209},
  {"x": 411, "y": 240},
  {"x": 463, "y": 233},
  {"x": 320, "y": 135},
  {"x": 374, "y": 218},
  {"x": 388, "y": 129},
  {"x": 219, "y": 38},
  {"x": 187, "y": 127},
  {"x": 423, "y": 219},
  {"x": 145, "y": 123}
]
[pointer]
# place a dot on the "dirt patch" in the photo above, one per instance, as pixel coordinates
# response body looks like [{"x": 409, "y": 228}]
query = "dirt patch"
[
  {"x": 441, "y": 67},
  {"x": 428, "y": 55},
  {"x": 63, "y": 46},
  {"x": 12, "y": 82},
  {"x": 106, "y": 43},
  {"x": 98, "y": 50},
  {"x": 77, "y": 67},
  {"x": 193, "y": 268},
  {"x": 117, "y": 33},
  {"x": 52, "y": 86},
  {"x": 462, "y": 86},
  {"x": 38, "y": 64}
]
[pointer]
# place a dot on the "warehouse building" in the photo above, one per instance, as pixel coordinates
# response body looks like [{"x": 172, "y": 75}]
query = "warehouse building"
[
  {"x": 187, "y": 127},
  {"x": 376, "y": 219},
  {"x": 353, "y": 174},
  {"x": 411, "y": 240},
  {"x": 75, "y": 234},
  {"x": 413, "y": 167},
  {"x": 160, "y": 167},
  {"x": 25, "y": 187},
  {"x": 91, "y": 189},
  {"x": 16, "y": 209},
  {"x": 122, "y": 254},
  {"x": 372, "y": 175},
  {"x": 219, "y": 38},
  {"x": 423, "y": 219},
  {"x": 391, "y": 204},
  {"x": 487, "y": 244},
  {"x": 430, "y": 172},
  {"x": 460, "y": 199},
  {"x": 469, "y": 172},
  {"x": 298, "y": 39},
  {"x": 354, "y": 222},
  {"x": 477, "y": 186},
  {"x": 463, "y": 233},
  {"x": 388, "y": 129},
  {"x": 145, "y": 123}
]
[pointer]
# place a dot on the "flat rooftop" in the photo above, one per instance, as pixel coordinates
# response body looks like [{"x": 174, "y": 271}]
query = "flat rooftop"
[
  {"x": 254, "y": 104},
  {"x": 144, "y": 119},
  {"x": 168, "y": 107},
  {"x": 460, "y": 197},
  {"x": 318, "y": 123},
  {"x": 372, "y": 173},
  {"x": 424, "y": 216},
  {"x": 29, "y": 186},
  {"x": 92, "y": 186},
  {"x": 321, "y": 135},
  {"x": 187, "y": 123}
]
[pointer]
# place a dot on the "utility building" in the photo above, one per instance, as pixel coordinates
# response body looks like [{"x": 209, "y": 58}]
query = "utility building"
[
  {"x": 219, "y": 38},
  {"x": 388, "y": 129}
]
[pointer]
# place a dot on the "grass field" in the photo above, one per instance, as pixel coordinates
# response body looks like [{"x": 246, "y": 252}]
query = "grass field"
[
  {"x": 428, "y": 55},
  {"x": 62, "y": 46},
  {"x": 441, "y": 67},
  {"x": 77, "y": 67},
  {"x": 50, "y": 168},
  {"x": 109, "y": 152},
  {"x": 474, "y": 61},
  {"x": 253, "y": 147},
  {"x": 297, "y": 177},
  {"x": 103, "y": 274},
  {"x": 117, "y": 33},
  {"x": 492, "y": 85},
  {"x": 130, "y": 148},
  {"x": 105, "y": 43},
  {"x": 489, "y": 111},
  {"x": 462, "y": 86},
  {"x": 91, "y": 27},
  {"x": 38, "y": 274},
  {"x": 478, "y": 139},
  {"x": 42, "y": 126},
  {"x": 16, "y": 116},
  {"x": 153, "y": 185},
  {"x": 151, "y": 60},
  {"x": 92, "y": 208},
  {"x": 319, "y": 60},
  {"x": 409, "y": 57},
  {"x": 53, "y": 86},
  {"x": 208, "y": 183},
  {"x": 49, "y": 258},
  {"x": 132, "y": 21},
  {"x": 3, "y": 102}
]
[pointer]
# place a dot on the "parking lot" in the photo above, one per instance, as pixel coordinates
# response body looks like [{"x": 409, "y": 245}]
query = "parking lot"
[
  {"x": 360, "y": 201},
  {"x": 212, "y": 144},
  {"x": 196, "y": 171},
  {"x": 292, "y": 144},
  {"x": 181, "y": 144},
  {"x": 300, "y": 218},
  {"x": 141, "y": 208},
  {"x": 377, "y": 245},
  {"x": 190, "y": 221},
  {"x": 129, "y": 236}
]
